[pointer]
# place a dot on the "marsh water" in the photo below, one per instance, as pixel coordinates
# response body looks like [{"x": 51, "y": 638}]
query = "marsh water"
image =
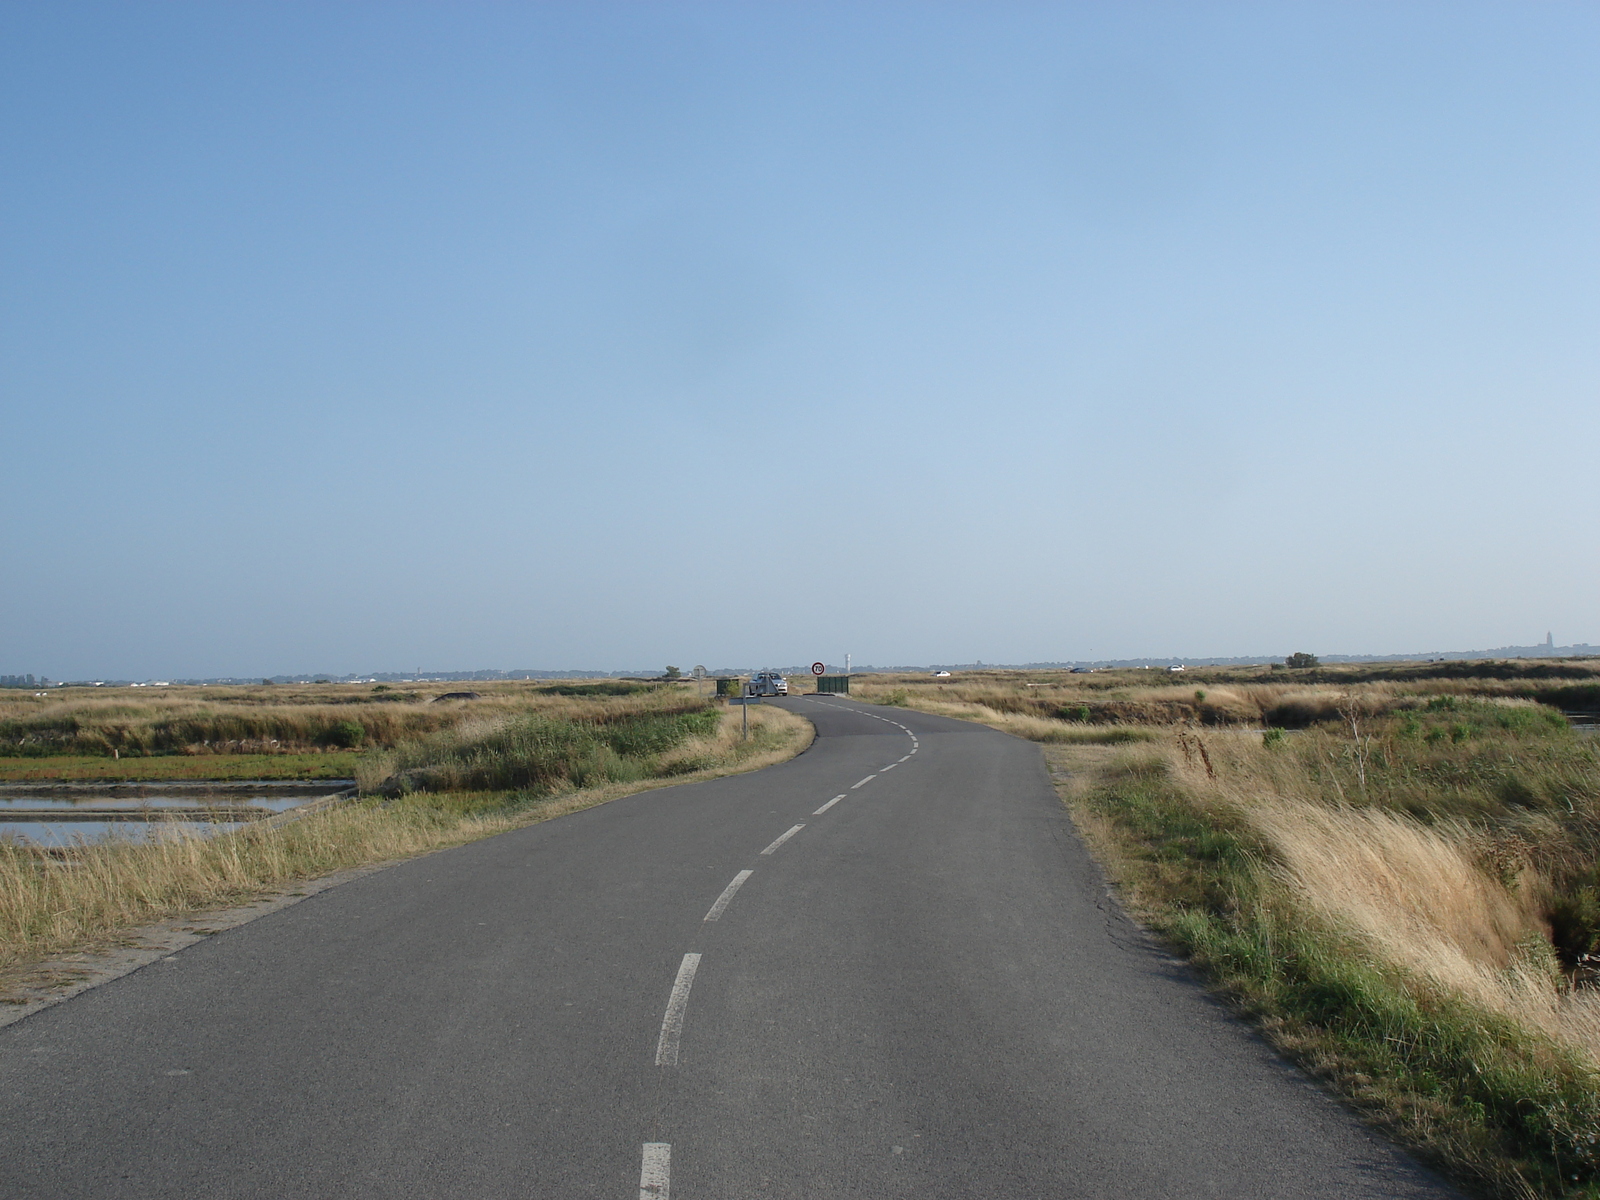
[{"x": 66, "y": 814}]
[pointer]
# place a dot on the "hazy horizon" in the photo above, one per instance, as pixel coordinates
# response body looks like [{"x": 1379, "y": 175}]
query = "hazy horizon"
[
  {"x": 388, "y": 674},
  {"x": 618, "y": 333}
]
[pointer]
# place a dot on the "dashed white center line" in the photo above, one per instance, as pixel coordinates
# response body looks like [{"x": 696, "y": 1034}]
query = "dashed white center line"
[
  {"x": 890, "y": 767},
  {"x": 829, "y": 804},
  {"x": 727, "y": 895},
  {"x": 903, "y": 758},
  {"x": 782, "y": 838},
  {"x": 672, "y": 1023},
  {"x": 868, "y": 779},
  {"x": 655, "y": 1176}
]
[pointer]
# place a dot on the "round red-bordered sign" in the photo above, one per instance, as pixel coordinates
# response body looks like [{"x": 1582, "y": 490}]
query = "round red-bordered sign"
[{"x": 818, "y": 668}]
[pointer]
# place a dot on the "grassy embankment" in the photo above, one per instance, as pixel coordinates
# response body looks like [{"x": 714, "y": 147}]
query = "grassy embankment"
[
  {"x": 328, "y": 764},
  {"x": 1394, "y": 871},
  {"x": 434, "y": 775}
]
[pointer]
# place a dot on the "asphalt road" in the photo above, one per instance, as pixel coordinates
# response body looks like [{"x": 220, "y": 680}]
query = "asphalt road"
[{"x": 922, "y": 992}]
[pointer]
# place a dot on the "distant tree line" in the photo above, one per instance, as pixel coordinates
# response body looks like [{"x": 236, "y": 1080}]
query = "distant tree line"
[{"x": 23, "y": 681}]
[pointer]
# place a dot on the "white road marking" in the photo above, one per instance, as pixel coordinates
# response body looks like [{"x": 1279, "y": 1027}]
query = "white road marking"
[
  {"x": 727, "y": 895},
  {"x": 672, "y": 1023},
  {"x": 782, "y": 838},
  {"x": 829, "y": 804},
  {"x": 903, "y": 759},
  {"x": 890, "y": 767},
  {"x": 868, "y": 779},
  {"x": 655, "y": 1176}
]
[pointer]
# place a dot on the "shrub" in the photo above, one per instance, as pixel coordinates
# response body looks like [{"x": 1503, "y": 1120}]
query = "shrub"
[
  {"x": 1300, "y": 659},
  {"x": 347, "y": 734},
  {"x": 539, "y": 755},
  {"x": 607, "y": 687}
]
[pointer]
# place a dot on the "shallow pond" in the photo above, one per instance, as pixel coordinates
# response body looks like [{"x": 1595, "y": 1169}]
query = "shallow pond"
[{"x": 58, "y": 815}]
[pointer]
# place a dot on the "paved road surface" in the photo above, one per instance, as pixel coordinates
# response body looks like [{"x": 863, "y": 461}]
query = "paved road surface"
[{"x": 922, "y": 992}]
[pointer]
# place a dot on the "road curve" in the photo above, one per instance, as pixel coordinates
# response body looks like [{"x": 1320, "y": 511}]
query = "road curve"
[{"x": 886, "y": 968}]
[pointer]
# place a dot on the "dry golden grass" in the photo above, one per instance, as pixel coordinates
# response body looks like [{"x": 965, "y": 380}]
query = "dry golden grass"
[
  {"x": 280, "y": 719},
  {"x": 1441, "y": 900},
  {"x": 1420, "y": 896},
  {"x": 1019, "y": 724},
  {"x": 48, "y": 906},
  {"x": 1224, "y": 696}
]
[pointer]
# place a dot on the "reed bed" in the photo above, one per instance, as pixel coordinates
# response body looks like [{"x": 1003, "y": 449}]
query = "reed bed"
[
  {"x": 1249, "y": 697},
  {"x": 280, "y": 720},
  {"x": 49, "y": 905}
]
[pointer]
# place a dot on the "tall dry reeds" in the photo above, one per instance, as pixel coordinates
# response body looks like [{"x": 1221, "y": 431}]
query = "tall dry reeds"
[
  {"x": 1422, "y": 898},
  {"x": 49, "y": 904}
]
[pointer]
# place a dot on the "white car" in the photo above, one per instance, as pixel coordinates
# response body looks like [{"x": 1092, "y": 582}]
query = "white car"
[{"x": 767, "y": 683}]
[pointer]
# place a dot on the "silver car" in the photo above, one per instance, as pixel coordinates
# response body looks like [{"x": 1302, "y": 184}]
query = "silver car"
[{"x": 767, "y": 683}]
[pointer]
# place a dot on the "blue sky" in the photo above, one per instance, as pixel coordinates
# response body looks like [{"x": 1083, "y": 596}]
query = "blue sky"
[{"x": 364, "y": 337}]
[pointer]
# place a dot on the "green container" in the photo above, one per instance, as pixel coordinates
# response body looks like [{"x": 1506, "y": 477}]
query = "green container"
[
  {"x": 833, "y": 685},
  {"x": 730, "y": 687}
]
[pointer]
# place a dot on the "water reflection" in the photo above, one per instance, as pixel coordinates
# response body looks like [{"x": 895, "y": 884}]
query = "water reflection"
[{"x": 64, "y": 815}]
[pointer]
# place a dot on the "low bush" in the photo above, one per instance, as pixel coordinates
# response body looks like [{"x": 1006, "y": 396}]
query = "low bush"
[
  {"x": 538, "y": 755},
  {"x": 605, "y": 687},
  {"x": 345, "y": 734}
]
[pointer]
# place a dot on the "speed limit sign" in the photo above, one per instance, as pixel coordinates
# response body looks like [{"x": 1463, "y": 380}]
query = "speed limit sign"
[{"x": 818, "y": 668}]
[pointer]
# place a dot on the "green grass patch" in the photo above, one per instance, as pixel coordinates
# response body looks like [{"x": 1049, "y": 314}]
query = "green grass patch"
[{"x": 333, "y": 765}]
